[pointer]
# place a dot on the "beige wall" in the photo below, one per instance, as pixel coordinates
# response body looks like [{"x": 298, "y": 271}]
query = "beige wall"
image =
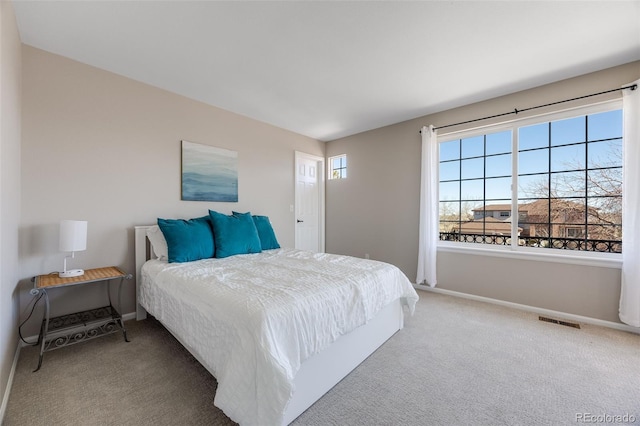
[
  {"x": 106, "y": 149},
  {"x": 375, "y": 210},
  {"x": 10, "y": 100}
]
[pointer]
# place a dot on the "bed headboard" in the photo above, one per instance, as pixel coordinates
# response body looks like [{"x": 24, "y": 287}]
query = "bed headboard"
[{"x": 143, "y": 252}]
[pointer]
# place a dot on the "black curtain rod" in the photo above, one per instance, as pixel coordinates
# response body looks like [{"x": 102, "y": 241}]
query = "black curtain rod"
[{"x": 516, "y": 111}]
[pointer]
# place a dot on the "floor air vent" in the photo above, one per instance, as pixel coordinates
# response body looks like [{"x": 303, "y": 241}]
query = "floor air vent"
[{"x": 555, "y": 321}]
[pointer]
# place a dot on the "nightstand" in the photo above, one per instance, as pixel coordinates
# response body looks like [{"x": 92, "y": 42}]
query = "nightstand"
[{"x": 78, "y": 327}]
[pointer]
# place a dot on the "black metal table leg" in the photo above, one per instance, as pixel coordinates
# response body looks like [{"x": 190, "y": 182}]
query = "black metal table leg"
[{"x": 42, "y": 337}]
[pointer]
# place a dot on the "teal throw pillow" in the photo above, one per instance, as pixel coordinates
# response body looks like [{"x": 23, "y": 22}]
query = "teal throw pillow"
[
  {"x": 234, "y": 234},
  {"x": 188, "y": 240},
  {"x": 267, "y": 236}
]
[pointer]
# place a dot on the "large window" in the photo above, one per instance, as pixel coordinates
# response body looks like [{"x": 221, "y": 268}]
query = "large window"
[{"x": 567, "y": 175}]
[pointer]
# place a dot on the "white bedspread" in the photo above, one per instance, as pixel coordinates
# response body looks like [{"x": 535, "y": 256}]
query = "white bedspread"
[{"x": 253, "y": 319}]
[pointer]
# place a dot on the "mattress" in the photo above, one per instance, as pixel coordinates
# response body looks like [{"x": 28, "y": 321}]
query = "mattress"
[{"x": 253, "y": 319}]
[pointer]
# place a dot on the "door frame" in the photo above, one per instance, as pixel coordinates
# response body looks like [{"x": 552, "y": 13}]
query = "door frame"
[{"x": 321, "y": 195}]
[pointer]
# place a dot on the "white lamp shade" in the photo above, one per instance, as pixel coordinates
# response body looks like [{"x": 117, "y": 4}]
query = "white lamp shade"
[{"x": 73, "y": 235}]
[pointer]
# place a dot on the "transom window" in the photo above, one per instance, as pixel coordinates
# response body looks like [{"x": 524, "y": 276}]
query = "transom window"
[
  {"x": 338, "y": 167},
  {"x": 563, "y": 177}
]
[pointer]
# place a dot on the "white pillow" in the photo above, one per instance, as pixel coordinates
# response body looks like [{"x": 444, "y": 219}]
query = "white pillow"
[{"x": 158, "y": 243}]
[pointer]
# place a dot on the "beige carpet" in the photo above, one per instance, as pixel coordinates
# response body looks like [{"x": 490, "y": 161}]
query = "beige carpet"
[{"x": 456, "y": 362}]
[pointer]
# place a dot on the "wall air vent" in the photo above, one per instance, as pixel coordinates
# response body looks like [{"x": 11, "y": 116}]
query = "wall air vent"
[{"x": 555, "y": 321}]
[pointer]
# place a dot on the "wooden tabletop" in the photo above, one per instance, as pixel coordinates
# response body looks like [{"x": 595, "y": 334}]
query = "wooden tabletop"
[{"x": 98, "y": 274}]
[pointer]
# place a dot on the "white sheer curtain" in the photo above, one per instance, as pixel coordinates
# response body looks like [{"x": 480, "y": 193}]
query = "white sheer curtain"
[
  {"x": 630, "y": 292},
  {"x": 428, "y": 230}
]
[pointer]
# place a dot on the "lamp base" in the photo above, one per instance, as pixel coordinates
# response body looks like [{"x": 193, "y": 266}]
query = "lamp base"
[{"x": 71, "y": 273}]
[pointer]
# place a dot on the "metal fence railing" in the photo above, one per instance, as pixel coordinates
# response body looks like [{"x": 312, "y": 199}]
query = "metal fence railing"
[{"x": 581, "y": 244}]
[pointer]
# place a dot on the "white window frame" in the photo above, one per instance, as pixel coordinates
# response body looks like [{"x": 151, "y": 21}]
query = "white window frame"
[{"x": 513, "y": 251}]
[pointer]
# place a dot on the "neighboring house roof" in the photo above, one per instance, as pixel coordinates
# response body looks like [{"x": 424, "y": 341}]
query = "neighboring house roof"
[
  {"x": 499, "y": 207},
  {"x": 539, "y": 207},
  {"x": 488, "y": 225},
  {"x": 561, "y": 210}
]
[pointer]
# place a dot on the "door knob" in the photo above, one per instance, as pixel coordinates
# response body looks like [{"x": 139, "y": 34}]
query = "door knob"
[{"x": 299, "y": 221}]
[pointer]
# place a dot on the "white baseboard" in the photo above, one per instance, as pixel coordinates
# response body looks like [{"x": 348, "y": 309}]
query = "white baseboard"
[
  {"x": 7, "y": 391},
  {"x": 534, "y": 309},
  {"x": 129, "y": 316}
]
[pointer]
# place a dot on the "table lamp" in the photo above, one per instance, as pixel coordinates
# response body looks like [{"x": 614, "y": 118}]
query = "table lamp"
[{"x": 73, "y": 238}]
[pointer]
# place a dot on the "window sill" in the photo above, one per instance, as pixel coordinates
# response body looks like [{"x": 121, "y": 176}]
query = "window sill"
[{"x": 603, "y": 260}]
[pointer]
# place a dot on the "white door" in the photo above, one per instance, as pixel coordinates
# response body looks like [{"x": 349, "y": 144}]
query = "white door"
[{"x": 309, "y": 194}]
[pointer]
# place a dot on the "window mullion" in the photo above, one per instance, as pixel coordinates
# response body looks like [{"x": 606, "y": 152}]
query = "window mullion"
[
  {"x": 460, "y": 190},
  {"x": 549, "y": 218},
  {"x": 484, "y": 189},
  {"x": 586, "y": 181},
  {"x": 515, "y": 217}
]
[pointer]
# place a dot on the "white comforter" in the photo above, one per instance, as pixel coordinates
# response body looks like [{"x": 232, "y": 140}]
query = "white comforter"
[{"x": 253, "y": 319}]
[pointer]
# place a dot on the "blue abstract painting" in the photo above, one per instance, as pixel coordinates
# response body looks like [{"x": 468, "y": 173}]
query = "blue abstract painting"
[{"x": 209, "y": 173}]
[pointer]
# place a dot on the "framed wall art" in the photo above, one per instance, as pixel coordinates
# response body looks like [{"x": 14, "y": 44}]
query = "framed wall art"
[{"x": 209, "y": 173}]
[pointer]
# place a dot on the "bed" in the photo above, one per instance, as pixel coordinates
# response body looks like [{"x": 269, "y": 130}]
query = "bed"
[{"x": 277, "y": 329}]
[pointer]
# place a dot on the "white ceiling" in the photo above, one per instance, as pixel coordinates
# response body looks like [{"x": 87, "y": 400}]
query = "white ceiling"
[{"x": 331, "y": 69}]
